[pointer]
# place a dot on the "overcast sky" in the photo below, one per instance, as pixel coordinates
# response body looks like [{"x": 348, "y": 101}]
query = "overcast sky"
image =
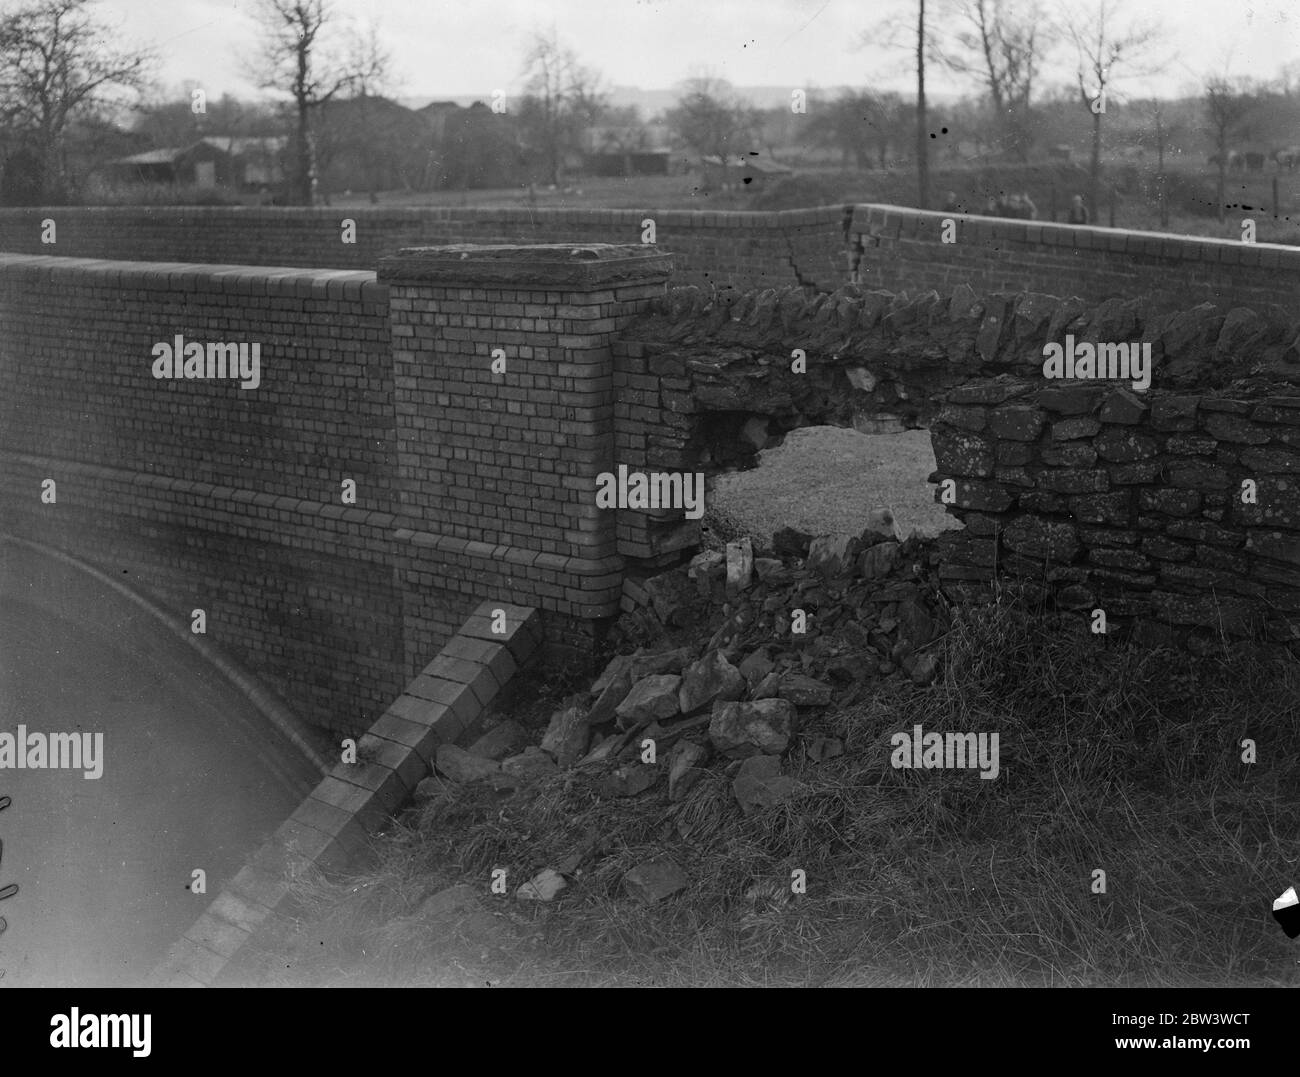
[{"x": 444, "y": 48}]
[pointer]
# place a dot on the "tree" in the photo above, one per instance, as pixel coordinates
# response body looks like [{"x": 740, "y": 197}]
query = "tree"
[
  {"x": 1227, "y": 102},
  {"x": 171, "y": 120},
  {"x": 479, "y": 148},
  {"x": 55, "y": 66},
  {"x": 922, "y": 120},
  {"x": 1102, "y": 47},
  {"x": 294, "y": 60},
  {"x": 1003, "y": 45},
  {"x": 562, "y": 99},
  {"x": 857, "y": 121},
  {"x": 712, "y": 120},
  {"x": 922, "y": 45}
]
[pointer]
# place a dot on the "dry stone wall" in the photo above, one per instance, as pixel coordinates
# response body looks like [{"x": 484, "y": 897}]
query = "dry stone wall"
[
  {"x": 1176, "y": 512},
  {"x": 1173, "y": 506}
]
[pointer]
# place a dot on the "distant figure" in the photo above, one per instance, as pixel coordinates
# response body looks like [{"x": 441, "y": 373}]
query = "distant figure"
[
  {"x": 950, "y": 203},
  {"x": 993, "y": 207},
  {"x": 1078, "y": 211},
  {"x": 1024, "y": 206}
]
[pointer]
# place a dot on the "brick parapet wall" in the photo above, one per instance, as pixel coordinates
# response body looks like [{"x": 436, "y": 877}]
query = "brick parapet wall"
[
  {"x": 893, "y": 247},
  {"x": 205, "y": 494},
  {"x": 900, "y": 248},
  {"x": 227, "y": 499},
  {"x": 739, "y": 249},
  {"x": 78, "y": 336}
]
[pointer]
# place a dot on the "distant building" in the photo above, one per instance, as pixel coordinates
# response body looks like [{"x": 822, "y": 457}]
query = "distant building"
[
  {"x": 749, "y": 172},
  {"x": 240, "y": 164},
  {"x": 255, "y": 162},
  {"x": 640, "y": 150}
]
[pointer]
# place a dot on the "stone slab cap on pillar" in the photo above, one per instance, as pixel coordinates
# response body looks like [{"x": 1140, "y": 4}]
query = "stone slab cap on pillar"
[{"x": 572, "y": 265}]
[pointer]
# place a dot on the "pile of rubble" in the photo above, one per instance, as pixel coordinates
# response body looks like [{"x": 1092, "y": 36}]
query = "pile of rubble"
[{"x": 733, "y": 651}]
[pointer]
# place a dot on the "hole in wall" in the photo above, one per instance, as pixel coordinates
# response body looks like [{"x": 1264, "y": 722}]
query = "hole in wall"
[{"x": 822, "y": 479}]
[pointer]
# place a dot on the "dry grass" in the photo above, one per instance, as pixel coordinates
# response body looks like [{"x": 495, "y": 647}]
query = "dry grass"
[{"x": 1113, "y": 759}]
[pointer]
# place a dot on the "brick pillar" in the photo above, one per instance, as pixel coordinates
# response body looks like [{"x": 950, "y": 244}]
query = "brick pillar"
[{"x": 496, "y": 472}]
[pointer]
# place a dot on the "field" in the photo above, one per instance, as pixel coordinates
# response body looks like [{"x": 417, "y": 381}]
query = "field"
[{"x": 1191, "y": 192}]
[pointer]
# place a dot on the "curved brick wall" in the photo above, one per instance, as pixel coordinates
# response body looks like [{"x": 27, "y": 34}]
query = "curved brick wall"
[
  {"x": 899, "y": 248},
  {"x": 892, "y": 247}
]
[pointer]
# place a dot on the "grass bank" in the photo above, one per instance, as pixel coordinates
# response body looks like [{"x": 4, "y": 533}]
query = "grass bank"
[{"x": 1112, "y": 759}]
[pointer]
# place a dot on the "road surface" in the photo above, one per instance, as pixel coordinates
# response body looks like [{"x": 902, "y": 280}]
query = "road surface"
[{"x": 194, "y": 777}]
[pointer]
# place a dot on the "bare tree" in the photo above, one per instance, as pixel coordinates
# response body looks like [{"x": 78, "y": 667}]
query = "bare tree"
[
  {"x": 1003, "y": 44},
  {"x": 1163, "y": 131},
  {"x": 922, "y": 120},
  {"x": 1227, "y": 102},
  {"x": 55, "y": 65},
  {"x": 711, "y": 119},
  {"x": 294, "y": 60},
  {"x": 1104, "y": 46},
  {"x": 918, "y": 36},
  {"x": 562, "y": 100}
]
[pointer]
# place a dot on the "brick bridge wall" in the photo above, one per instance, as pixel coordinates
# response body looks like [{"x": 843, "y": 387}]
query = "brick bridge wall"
[
  {"x": 892, "y": 247},
  {"x": 746, "y": 250},
  {"x": 468, "y": 486},
  {"x": 477, "y": 483}
]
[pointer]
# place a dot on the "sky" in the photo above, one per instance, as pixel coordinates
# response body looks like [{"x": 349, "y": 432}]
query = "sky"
[{"x": 453, "y": 48}]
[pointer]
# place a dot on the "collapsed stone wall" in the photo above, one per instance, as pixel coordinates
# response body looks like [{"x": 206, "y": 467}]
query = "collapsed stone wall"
[
  {"x": 1125, "y": 500},
  {"x": 709, "y": 378}
]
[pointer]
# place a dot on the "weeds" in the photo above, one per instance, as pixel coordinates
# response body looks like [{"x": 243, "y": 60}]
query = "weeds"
[{"x": 1115, "y": 759}]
